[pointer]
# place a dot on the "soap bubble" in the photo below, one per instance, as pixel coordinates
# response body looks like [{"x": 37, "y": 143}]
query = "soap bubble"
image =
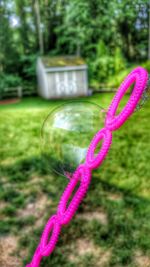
[{"x": 67, "y": 133}]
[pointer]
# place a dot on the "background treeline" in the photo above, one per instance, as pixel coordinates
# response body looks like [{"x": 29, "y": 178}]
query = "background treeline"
[{"x": 112, "y": 36}]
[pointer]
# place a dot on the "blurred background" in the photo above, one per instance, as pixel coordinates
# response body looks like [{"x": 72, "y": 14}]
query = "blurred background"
[
  {"x": 51, "y": 52},
  {"x": 111, "y": 36}
]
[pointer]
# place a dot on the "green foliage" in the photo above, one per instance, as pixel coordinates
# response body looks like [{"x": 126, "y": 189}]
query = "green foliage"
[
  {"x": 115, "y": 80},
  {"x": 146, "y": 65},
  {"x": 74, "y": 37},
  {"x": 8, "y": 51},
  {"x": 8, "y": 81},
  {"x": 106, "y": 64},
  {"x": 28, "y": 63},
  {"x": 28, "y": 72},
  {"x": 109, "y": 35}
]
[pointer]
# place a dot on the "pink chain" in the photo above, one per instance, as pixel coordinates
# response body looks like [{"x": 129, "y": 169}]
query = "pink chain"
[{"x": 82, "y": 175}]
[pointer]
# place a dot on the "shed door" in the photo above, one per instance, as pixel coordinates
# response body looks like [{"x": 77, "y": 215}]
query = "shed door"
[{"x": 66, "y": 83}]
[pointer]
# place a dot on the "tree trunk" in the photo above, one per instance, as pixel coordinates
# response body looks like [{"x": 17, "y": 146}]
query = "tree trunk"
[
  {"x": 36, "y": 27},
  {"x": 78, "y": 51},
  {"x": 38, "y": 19}
]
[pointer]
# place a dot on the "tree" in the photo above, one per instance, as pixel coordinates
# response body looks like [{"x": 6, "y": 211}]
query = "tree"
[
  {"x": 24, "y": 28},
  {"x": 8, "y": 51},
  {"x": 73, "y": 27},
  {"x": 38, "y": 25}
]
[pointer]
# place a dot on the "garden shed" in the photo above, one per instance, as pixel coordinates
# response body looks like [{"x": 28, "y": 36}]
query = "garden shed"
[{"x": 60, "y": 77}]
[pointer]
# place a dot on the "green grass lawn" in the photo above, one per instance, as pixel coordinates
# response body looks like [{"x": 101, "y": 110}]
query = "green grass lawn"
[{"x": 113, "y": 223}]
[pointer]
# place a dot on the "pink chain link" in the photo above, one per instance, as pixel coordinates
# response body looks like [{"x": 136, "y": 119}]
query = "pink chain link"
[{"x": 82, "y": 175}]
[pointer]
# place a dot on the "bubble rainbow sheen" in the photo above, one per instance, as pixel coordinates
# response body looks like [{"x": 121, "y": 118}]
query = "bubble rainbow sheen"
[{"x": 82, "y": 175}]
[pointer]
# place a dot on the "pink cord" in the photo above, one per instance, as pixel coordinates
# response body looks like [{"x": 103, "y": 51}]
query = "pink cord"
[{"x": 82, "y": 175}]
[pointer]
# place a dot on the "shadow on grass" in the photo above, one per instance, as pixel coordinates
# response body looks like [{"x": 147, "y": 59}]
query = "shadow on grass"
[{"x": 124, "y": 232}]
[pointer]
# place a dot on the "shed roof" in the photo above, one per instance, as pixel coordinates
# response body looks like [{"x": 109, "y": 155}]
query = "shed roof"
[{"x": 62, "y": 61}]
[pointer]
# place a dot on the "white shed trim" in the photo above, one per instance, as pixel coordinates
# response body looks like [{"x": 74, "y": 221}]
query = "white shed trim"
[{"x": 54, "y": 69}]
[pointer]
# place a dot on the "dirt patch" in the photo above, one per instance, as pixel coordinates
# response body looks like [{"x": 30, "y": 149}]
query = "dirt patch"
[
  {"x": 3, "y": 205},
  {"x": 36, "y": 208},
  {"x": 114, "y": 196},
  {"x": 104, "y": 259},
  {"x": 34, "y": 185},
  {"x": 100, "y": 216},
  {"x": 9, "y": 101},
  {"x": 8, "y": 245},
  {"x": 7, "y": 162},
  {"x": 85, "y": 247},
  {"x": 35, "y": 180},
  {"x": 141, "y": 260}
]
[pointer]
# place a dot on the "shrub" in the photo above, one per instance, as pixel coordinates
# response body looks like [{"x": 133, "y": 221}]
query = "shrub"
[
  {"x": 105, "y": 65},
  {"x": 8, "y": 81}
]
